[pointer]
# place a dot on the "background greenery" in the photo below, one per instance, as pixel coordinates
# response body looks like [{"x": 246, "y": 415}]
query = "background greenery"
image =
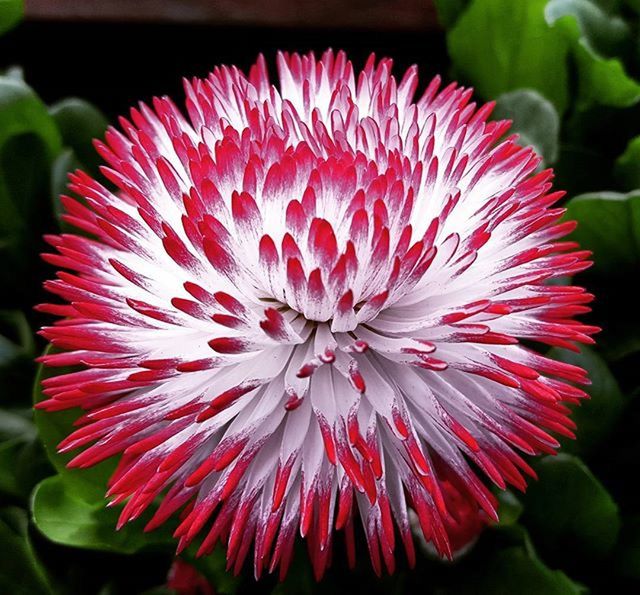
[{"x": 566, "y": 72}]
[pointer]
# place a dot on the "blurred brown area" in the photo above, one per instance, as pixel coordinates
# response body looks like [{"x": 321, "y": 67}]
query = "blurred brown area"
[{"x": 364, "y": 14}]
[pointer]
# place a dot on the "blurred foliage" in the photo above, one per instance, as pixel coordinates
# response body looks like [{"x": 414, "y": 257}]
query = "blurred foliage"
[
  {"x": 566, "y": 73},
  {"x": 10, "y": 14},
  {"x": 535, "y": 119}
]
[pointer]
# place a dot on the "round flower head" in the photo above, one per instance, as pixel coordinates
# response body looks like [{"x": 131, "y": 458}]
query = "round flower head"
[{"x": 311, "y": 302}]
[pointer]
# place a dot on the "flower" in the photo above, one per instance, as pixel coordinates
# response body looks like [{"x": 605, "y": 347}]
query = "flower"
[
  {"x": 305, "y": 304},
  {"x": 184, "y": 579}
]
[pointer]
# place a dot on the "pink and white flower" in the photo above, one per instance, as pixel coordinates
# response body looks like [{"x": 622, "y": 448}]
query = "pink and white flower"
[
  {"x": 184, "y": 579},
  {"x": 305, "y": 303}
]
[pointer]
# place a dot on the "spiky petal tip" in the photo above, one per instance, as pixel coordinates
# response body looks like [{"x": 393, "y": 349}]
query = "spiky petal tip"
[{"x": 304, "y": 304}]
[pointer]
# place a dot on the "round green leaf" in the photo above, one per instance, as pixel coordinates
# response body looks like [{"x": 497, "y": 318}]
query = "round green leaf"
[
  {"x": 22, "y": 466},
  {"x": 14, "y": 72},
  {"x": 24, "y": 173},
  {"x": 513, "y": 570},
  {"x": 634, "y": 4},
  {"x": 9, "y": 351},
  {"x": 16, "y": 431},
  {"x": 21, "y": 573},
  {"x": 70, "y": 508},
  {"x": 16, "y": 359},
  {"x": 510, "y": 508},
  {"x": 604, "y": 81},
  {"x": 502, "y": 46},
  {"x": 65, "y": 518},
  {"x": 534, "y": 119},
  {"x": 8, "y": 481},
  {"x": 604, "y": 33},
  {"x": 86, "y": 484},
  {"x": 16, "y": 424},
  {"x": 627, "y": 167},
  {"x": 627, "y": 554},
  {"x": 79, "y": 123},
  {"x": 16, "y": 322},
  {"x": 580, "y": 168},
  {"x": 449, "y": 11},
  {"x": 593, "y": 35},
  {"x": 29, "y": 140},
  {"x": 21, "y": 111},
  {"x": 506, "y": 562},
  {"x": 10, "y": 14},
  {"x": 568, "y": 509},
  {"x": 24, "y": 164},
  {"x": 609, "y": 225},
  {"x": 596, "y": 417},
  {"x": 64, "y": 164}
]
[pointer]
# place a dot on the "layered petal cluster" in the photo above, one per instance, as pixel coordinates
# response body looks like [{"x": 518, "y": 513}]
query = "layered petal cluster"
[
  {"x": 312, "y": 302},
  {"x": 184, "y": 579}
]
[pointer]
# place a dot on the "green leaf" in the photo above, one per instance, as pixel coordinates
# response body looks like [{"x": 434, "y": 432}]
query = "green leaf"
[
  {"x": 10, "y": 14},
  {"x": 16, "y": 322},
  {"x": 22, "y": 111},
  {"x": 627, "y": 554},
  {"x": 8, "y": 351},
  {"x": 604, "y": 81},
  {"x": 16, "y": 359},
  {"x": 580, "y": 168},
  {"x": 449, "y": 11},
  {"x": 24, "y": 168},
  {"x": 568, "y": 509},
  {"x": 16, "y": 424},
  {"x": 24, "y": 164},
  {"x": 79, "y": 123},
  {"x": 621, "y": 334},
  {"x": 596, "y": 417},
  {"x": 9, "y": 451},
  {"x": 627, "y": 167},
  {"x": 22, "y": 466},
  {"x": 510, "y": 508},
  {"x": 24, "y": 172},
  {"x": 634, "y": 4},
  {"x": 70, "y": 508},
  {"x": 29, "y": 140},
  {"x": 514, "y": 570},
  {"x": 16, "y": 430},
  {"x": 502, "y": 46},
  {"x": 609, "y": 225},
  {"x": 593, "y": 36},
  {"x": 602, "y": 32},
  {"x": 65, "y": 518},
  {"x": 534, "y": 119},
  {"x": 86, "y": 484},
  {"x": 506, "y": 562},
  {"x": 64, "y": 164},
  {"x": 608, "y": 6},
  {"x": 14, "y": 72},
  {"x": 21, "y": 573}
]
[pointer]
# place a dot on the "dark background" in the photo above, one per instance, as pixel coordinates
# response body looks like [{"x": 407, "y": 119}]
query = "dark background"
[{"x": 114, "y": 65}]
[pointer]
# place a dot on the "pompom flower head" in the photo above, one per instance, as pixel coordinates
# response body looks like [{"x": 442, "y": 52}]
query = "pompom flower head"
[{"x": 312, "y": 302}]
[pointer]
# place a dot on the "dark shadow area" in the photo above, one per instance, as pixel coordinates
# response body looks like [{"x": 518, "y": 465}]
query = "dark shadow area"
[{"x": 115, "y": 65}]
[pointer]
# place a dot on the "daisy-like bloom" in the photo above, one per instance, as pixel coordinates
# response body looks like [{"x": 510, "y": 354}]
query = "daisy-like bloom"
[
  {"x": 304, "y": 303},
  {"x": 184, "y": 579}
]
